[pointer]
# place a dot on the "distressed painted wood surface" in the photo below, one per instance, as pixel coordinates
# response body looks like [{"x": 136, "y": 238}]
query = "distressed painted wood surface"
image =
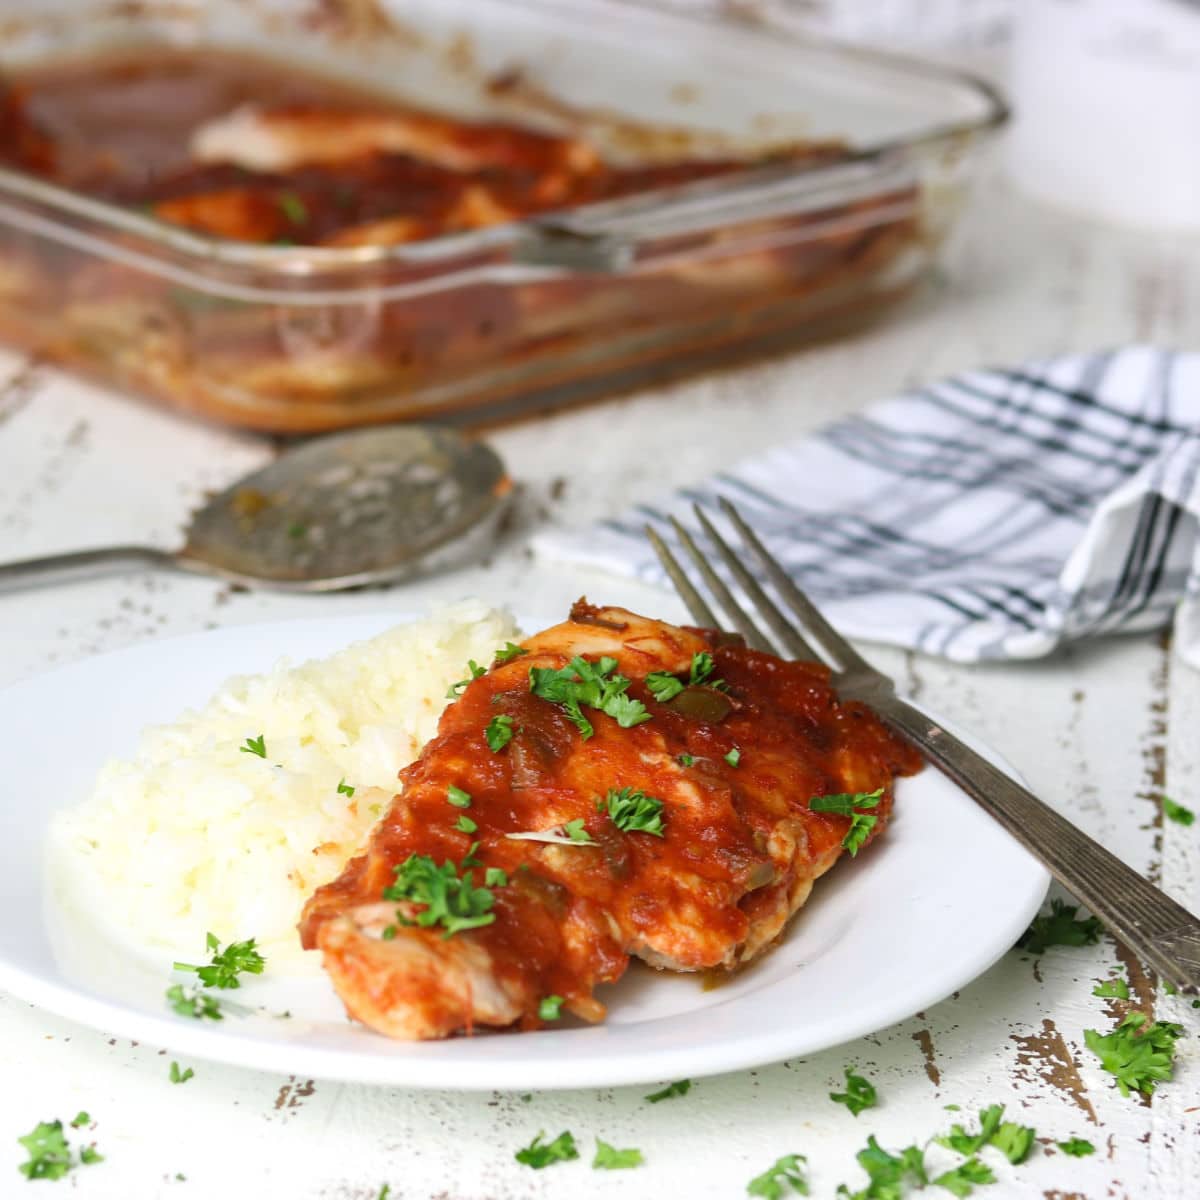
[{"x": 1101, "y": 731}]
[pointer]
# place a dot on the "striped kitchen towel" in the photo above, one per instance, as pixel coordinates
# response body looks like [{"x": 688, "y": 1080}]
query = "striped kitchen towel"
[{"x": 996, "y": 514}]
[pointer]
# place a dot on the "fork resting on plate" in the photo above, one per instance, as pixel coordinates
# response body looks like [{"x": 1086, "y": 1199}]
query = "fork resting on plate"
[{"x": 1159, "y": 931}]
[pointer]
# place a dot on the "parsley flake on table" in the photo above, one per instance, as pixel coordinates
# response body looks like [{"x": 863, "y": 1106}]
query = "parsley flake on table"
[
  {"x": 1113, "y": 988},
  {"x": 474, "y": 672},
  {"x": 1177, "y": 812},
  {"x": 539, "y": 1154},
  {"x": 783, "y": 1176},
  {"x": 50, "y": 1153},
  {"x": 680, "y": 1087},
  {"x": 1060, "y": 927},
  {"x": 1076, "y": 1147},
  {"x": 633, "y": 811},
  {"x": 255, "y": 745},
  {"x": 1138, "y": 1055},
  {"x": 733, "y": 757},
  {"x": 236, "y": 959},
  {"x": 859, "y": 1095},
  {"x": 962, "y": 1180},
  {"x": 583, "y": 684},
  {"x": 193, "y": 1002},
  {"x": 572, "y": 833},
  {"x": 499, "y": 732},
  {"x": 609, "y": 1158},
  {"x": 849, "y": 804},
  {"x": 448, "y": 900},
  {"x": 886, "y": 1172},
  {"x": 178, "y": 1076},
  {"x": 464, "y": 824},
  {"x": 550, "y": 1008},
  {"x": 457, "y": 797},
  {"x": 1014, "y": 1141},
  {"x": 511, "y": 650},
  {"x": 81, "y": 1119},
  {"x": 344, "y": 788}
]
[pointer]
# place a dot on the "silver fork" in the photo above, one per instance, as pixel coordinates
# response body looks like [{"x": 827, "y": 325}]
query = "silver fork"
[{"x": 1159, "y": 931}]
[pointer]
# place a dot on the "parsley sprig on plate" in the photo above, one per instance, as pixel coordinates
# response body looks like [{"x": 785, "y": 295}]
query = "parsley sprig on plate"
[
  {"x": 222, "y": 972},
  {"x": 583, "y": 684},
  {"x": 785, "y": 1175},
  {"x": 854, "y": 806}
]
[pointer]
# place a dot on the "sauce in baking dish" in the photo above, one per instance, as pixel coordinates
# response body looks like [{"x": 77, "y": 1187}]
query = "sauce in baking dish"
[{"x": 235, "y": 146}]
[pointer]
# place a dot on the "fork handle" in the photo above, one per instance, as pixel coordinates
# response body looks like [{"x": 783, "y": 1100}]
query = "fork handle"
[{"x": 1159, "y": 931}]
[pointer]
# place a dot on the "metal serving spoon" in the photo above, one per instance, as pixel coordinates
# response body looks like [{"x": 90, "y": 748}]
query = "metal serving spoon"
[{"x": 369, "y": 506}]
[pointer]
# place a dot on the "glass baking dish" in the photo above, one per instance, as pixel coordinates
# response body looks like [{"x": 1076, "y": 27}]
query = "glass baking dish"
[{"x": 495, "y": 322}]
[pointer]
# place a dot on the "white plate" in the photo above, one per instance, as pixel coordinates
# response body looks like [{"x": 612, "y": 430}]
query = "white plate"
[{"x": 927, "y": 909}]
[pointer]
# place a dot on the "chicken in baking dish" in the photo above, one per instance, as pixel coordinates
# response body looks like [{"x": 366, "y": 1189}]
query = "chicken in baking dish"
[{"x": 614, "y": 787}]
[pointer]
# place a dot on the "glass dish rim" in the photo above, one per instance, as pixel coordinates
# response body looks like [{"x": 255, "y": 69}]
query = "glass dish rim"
[{"x": 300, "y": 261}]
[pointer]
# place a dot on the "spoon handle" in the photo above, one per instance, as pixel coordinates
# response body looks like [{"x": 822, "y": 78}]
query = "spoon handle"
[{"x": 62, "y": 568}]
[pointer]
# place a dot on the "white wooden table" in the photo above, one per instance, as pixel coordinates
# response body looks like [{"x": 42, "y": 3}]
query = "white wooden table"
[{"x": 1101, "y": 731}]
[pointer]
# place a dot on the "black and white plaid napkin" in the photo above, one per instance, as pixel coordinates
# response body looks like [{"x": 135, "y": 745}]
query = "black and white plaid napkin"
[{"x": 992, "y": 515}]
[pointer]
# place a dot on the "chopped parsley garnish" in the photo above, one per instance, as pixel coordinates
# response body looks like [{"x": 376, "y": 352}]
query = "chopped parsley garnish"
[
  {"x": 1114, "y": 988},
  {"x": 1076, "y": 1147},
  {"x": 458, "y": 797},
  {"x": 178, "y": 1076},
  {"x": 1137, "y": 1054},
  {"x": 1060, "y": 927},
  {"x": 293, "y": 207},
  {"x": 1177, "y": 812},
  {"x": 511, "y": 650},
  {"x": 633, "y": 811},
  {"x": 448, "y": 900},
  {"x": 680, "y": 1087},
  {"x": 663, "y": 686},
  {"x": 962, "y": 1180},
  {"x": 784, "y": 1176},
  {"x": 550, "y": 1008},
  {"x": 456, "y": 689},
  {"x": 297, "y": 529},
  {"x": 384, "y": 1192},
  {"x": 345, "y": 789},
  {"x": 495, "y": 877},
  {"x": 685, "y": 760},
  {"x": 848, "y": 804},
  {"x": 1014, "y": 1141},
  {"x": 464, "y": 824},
  {"x": 237, "y": 958},
  {"x": 193, "y": 1002},
  {"x": 81, "y": 1119},
  {"x": 734, "y": 757},
  {"x": 539, "y": 1154},
  {"x": 499, "y": 732},
  {"x": 887, "y": 1172},
  {"x": 594, "y": 685},
  {"x": 609, "y": 1158},
  {"x": 860, "y": 1093},
  {"x": 89, "y": 1155},
  {"x": 570, "y": 834},
  {"x": 254, "y": 745}
]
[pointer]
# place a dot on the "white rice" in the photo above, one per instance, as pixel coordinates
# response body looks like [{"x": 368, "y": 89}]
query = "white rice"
[{"x": 193, "y": 835}]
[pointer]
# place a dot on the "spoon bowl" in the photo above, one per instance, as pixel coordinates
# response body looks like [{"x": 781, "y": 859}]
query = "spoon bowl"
[{"x": 374, "y": 505}]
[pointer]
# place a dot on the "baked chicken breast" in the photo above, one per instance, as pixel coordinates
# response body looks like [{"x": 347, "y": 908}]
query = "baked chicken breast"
[{"x": 617, "y": 787}]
